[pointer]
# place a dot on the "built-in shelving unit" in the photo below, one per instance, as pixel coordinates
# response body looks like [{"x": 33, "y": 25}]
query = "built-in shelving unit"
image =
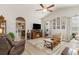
[{"x": 57, "y": 25}]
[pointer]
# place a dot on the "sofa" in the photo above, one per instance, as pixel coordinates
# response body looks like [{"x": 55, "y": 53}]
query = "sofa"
[{"x": 9, "y": 47}]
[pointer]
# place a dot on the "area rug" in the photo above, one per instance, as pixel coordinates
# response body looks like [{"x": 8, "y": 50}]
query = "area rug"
[{"x": 39, "y": 43}]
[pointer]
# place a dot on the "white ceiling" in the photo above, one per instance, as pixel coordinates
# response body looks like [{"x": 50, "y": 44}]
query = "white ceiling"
[
  {"x": 33, "y": 7},
  {"x": 30, "y": 8}
]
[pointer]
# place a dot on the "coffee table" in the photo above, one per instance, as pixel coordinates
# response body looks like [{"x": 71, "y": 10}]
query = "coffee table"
[
  {"x": 70, "y": 51},
  {"x": 48, "y": 43}
]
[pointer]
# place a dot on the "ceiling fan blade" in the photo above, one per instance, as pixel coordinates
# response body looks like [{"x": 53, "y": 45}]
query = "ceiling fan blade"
[
  {"x": 42, "y": 5},
  {"x": 51, "y": 6},
  {"x": 39, "y": 9},
  {"x": 50, "y": 10}
]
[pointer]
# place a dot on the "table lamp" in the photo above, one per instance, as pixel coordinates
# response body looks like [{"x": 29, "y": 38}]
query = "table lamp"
[{"x": 0, "y": 30}]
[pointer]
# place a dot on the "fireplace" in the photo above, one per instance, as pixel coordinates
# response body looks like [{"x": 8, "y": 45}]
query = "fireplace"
[{"x": 36, "y": 34}]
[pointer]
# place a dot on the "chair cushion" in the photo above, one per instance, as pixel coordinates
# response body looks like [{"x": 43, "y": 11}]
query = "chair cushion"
[
  {"x": 9, "y": 40},
  {"x": 4, "y": 46}
]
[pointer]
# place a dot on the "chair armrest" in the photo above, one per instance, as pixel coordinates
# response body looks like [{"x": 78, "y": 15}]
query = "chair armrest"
[
  {"x": 18, "y": 47},
  {"x": 19, "y": 43}
]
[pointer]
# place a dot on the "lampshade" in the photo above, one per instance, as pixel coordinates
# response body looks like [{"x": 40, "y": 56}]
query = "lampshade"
[{"x": 0, "y": 30}]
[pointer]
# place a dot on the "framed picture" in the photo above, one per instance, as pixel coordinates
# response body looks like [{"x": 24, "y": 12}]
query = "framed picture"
[
  {"x": 54, "y": 23},
  {"x": 63, "y": 23},
  {"x": 58, "y": 27},
  {"x": 63, "y": 27},
  {"x": 58, "y": 20},
  {"x": 54, "y": 27}
]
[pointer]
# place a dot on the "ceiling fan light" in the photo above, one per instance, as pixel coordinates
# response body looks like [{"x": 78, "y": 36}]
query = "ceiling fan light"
[{"x": 44, "y": 10}]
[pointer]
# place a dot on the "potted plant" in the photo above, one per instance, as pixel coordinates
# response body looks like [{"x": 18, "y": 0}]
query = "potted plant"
[{"x": 11, "y": 35}]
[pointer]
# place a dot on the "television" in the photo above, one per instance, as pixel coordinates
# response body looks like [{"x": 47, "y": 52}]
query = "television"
[{"x": 36, "y": 26}]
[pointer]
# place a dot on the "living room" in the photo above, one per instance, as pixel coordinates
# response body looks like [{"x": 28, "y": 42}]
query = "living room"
[
  {"x": 39, "y": 31},
  {"x": 33, "y": 29},
  {"x": 62, "y": 23}
]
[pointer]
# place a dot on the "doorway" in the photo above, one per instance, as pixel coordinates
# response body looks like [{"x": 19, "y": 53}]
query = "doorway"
[{"x": 20, "y": 28}]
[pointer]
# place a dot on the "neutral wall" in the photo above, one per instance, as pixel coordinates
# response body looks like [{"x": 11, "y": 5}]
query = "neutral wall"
[
  {"x": 11, "y": 12},
  {"x": 68, "y": 12}
]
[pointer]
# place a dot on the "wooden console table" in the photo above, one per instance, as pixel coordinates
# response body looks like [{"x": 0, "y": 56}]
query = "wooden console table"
[{"x": 36, "y": 34}]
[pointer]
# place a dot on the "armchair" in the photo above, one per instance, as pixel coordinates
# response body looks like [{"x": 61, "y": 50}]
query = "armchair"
[{"x": 8, "y": 47}]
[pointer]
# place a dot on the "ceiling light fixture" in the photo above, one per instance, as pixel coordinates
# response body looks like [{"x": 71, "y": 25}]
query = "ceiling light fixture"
[{"x": 44, "y": 10}]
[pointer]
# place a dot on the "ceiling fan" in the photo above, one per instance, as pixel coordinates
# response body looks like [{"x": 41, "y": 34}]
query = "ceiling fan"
[{"x": 44, "y": 8}]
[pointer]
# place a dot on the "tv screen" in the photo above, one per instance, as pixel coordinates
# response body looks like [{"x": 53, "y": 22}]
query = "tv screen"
[{"x": 36, "y": 26}]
